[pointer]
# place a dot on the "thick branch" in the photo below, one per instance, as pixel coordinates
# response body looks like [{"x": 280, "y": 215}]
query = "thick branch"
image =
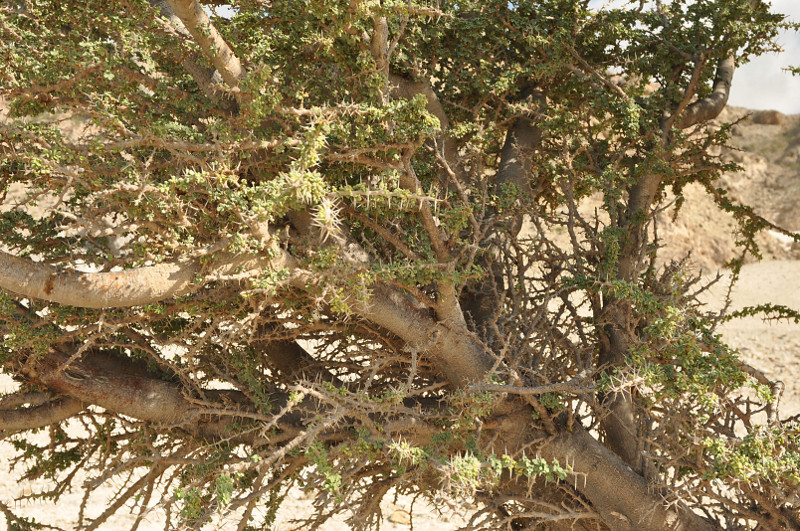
[
  {"x": 620, "y": 425},
  {"x": 623, "y": 498},
  {"x": 123, "y": 386},
  {"x": 379, "y": 45},
  {"x": 452, "y": 349},
  {"x": 214, "y": 47},
  {"x": 407, "y": 89},
  {"x": 516, "y": 159},
  {"x": 131, "y": 287},
  {"x": 709, "y": 107},
  {"x": 448, "y": 344},
  {"x": 208, "y": 79},
  {"x": 39, "y": 416},
  {"x": 126, "y": 387},
  {"x": 515, "y": 168}
]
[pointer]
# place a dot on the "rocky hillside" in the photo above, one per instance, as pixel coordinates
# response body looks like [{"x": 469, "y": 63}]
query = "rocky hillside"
[{"x": 766, "y": 144}]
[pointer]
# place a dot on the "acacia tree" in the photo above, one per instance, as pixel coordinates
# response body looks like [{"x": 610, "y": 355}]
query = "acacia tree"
[{"x": 339, "y": 245}]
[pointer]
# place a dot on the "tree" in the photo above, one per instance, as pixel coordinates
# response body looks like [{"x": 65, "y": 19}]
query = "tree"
[{"x": 338, "y": 244}]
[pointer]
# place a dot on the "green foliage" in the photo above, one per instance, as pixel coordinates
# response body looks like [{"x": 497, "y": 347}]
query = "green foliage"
[
  {"x": 192, "y": 503},
  {"x": 769, "y": 454},
  {"x": 318, "y": 455},
  {"x": 768, "y": 311}
]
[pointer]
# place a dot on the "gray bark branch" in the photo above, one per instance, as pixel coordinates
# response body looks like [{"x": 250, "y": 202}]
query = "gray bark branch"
[
  {"x": 208, "y": 79},
  {"x": 214, "y": 47},
  {"x": 130, "y": 287},
  {"x": 709, "y": 107}
]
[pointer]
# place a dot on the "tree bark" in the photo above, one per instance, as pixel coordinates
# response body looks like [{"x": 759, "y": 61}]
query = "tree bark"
[
  {"x": 620, "y": 424},
  {"x": 214, "y": 47},
  {"x": 130, "y": 287},
  {"x": 622, "y": 497},
  {"x": 208, "y": 79},
  {"x": 47, "y": 414}
]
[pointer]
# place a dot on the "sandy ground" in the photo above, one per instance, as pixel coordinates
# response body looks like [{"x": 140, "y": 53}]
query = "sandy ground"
[
  {"x": 770, "y": 346},
  {"x": 397, "y": 513}
]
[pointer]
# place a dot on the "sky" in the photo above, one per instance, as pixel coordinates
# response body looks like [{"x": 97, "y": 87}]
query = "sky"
[{"x": 761, "y": 84}]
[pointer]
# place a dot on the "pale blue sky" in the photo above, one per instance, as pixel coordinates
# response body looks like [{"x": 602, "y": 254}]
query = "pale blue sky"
[{"x": 762, "y": 84}]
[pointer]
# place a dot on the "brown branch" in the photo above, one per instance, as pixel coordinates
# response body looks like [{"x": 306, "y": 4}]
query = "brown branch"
[
  {"x": 294, "y": 361},
  {"x": 119, "y": 384},
  {"x": 207, "y": 78},
  {"x": 454, "y": 352},
  {"x": 39, "y": 416},
  {"x": 31, "y": 399},
  {"x": 560, "y": 387},
  {"x": 125, "y": 386},
  {"x": 623, "y": 498}
]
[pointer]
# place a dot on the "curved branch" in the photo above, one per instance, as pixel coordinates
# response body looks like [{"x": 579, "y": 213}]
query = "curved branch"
[
  {"x": 131, "y": 287},
  {"x": 620, "y": 424},
  {"x": 447, "y": 343},
  {"x": 214, "y": 47},
  {"x": 454, "y": 352},
  {"x": 709, "y": 107}
]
